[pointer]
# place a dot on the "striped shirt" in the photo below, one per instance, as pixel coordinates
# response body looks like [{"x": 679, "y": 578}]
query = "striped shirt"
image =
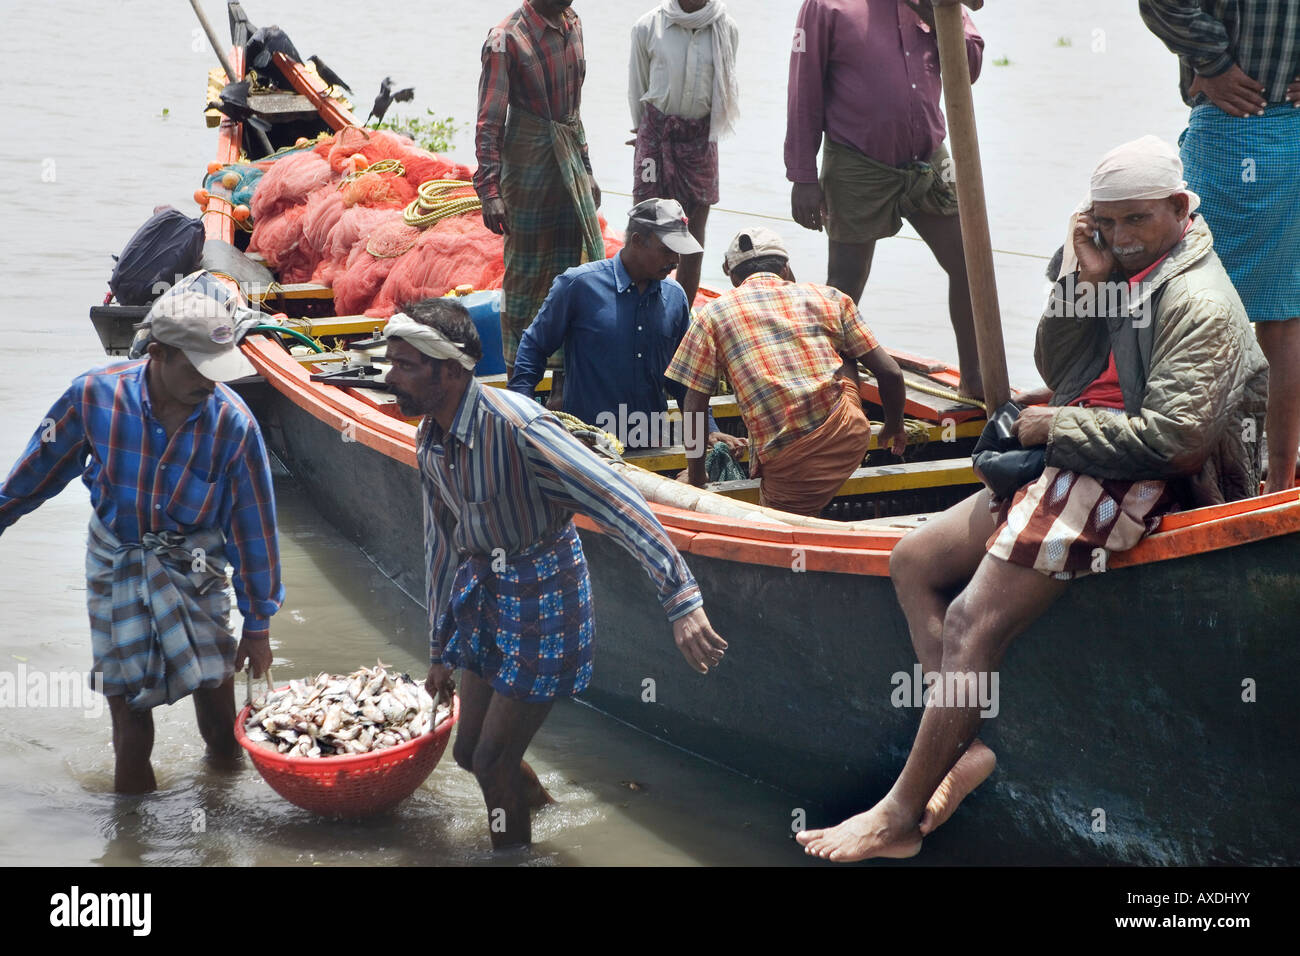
[
  {"x": 531, "y": 65},
  {"x": 212, "y": 473},
  {"x": 509, "y": 475},
  {"x": 779, "y": 344},
  {"x": 1209, "y": 36}
]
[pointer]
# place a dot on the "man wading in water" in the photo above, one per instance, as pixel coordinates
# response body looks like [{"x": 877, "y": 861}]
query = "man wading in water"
[
  {"x": 508, "y": 593},
  {"x": 179, "y": 482}
]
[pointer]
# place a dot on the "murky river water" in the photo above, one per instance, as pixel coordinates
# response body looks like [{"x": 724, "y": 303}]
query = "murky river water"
[{"x": 102, "y": 105}]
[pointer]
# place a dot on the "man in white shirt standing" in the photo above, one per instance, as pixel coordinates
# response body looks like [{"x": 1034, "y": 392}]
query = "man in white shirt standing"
[{"x": 683, "y": 94}]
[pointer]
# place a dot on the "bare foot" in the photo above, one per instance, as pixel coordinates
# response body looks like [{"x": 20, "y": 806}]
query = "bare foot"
[
  {"x": 867, "y": 835},
  {"x": 971, "y": 386},
  {"x": 535, "y": 795},
  {"x": 971, "y": 769}
]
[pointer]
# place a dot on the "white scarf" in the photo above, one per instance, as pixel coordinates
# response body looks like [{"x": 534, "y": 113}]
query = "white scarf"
[
  {"x": 726, "y": 94},
  {"x": 428, "y": 340}
]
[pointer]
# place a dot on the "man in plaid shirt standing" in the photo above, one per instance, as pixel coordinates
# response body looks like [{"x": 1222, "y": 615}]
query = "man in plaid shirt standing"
[
  {"x": 1240, "y": 74},
  {"x": 534, "y": 175},
  {"x": 790, "y": 351},
  {"x": 180, "y": 483}
]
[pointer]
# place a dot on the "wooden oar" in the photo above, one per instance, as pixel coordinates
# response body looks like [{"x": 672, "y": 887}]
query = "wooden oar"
[{"x": 955, "y": 70}]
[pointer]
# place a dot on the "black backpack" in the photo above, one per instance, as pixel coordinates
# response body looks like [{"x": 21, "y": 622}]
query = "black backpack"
[{"x": 167, "y": 246}]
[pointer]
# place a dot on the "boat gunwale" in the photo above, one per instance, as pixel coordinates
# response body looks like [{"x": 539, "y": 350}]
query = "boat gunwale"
[{"x": 864, "y": 552}]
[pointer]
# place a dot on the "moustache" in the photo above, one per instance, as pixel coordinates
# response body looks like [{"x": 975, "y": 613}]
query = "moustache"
[{"x": 1129, "y": 250}]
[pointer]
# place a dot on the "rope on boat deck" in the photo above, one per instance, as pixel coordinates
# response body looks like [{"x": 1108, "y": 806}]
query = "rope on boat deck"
[
  {"x": 947, "y": 393},
  {"x": 597, "y": 438},
  {"x": 245, "y": 224}
]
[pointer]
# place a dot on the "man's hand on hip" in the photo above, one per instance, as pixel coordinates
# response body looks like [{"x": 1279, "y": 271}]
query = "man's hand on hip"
[
  {"x": 808, "y": 205},
  {"x": 698, "y": 642},
  {"x": 1232, "y": 91},
  {"x": 255, "y": 650},
  {"x": 494, "y": 216},
  {"x": 1293, "y": 92}
]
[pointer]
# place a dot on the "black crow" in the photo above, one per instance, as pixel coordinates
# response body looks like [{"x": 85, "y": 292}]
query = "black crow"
[
  {"x": 328, "y": 75},
  {"x": 234, "y": 103},
  {"x": 388, "y": 96},
  {"x": 257, "y": 55}
]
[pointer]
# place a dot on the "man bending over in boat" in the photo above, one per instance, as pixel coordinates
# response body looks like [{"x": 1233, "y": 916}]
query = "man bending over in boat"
[
  {"x": 1156, "y": 399},
  {"x": 508, "y": 593},
  {"x": 790, "y": 351},
  {"x": 179, "y": 483},
  {"x": 619, "y": 321}
]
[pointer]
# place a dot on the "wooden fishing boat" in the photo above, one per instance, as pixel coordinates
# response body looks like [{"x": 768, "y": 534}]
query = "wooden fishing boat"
[{"x": 1142, "y": 719}]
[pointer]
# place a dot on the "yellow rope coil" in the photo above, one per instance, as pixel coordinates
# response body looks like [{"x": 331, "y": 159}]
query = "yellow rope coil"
[
  {"x": 575, "y": 425},
  {"x": 432, "y": 204},
  {"x": 383, "y": 166}
]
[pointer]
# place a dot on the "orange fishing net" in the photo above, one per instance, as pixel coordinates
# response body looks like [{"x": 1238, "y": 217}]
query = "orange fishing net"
[{"x": 324, "y": 215}]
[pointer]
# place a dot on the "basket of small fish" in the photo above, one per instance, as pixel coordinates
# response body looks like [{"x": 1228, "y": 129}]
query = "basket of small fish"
[{"x": 347, "y": 746}]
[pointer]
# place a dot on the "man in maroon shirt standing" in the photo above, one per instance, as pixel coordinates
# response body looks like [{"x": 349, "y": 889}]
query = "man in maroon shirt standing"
[
  {"x": 534, "y": 176},
  {"x": 864, "y": 74}
]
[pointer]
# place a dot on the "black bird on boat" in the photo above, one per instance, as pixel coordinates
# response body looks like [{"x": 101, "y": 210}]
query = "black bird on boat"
[
  {"x": 259, "y": 50},
  {"x": 387, "y": 96},
  {"x": 328, "y": 75},
  {"x": 234, "y": 103}
]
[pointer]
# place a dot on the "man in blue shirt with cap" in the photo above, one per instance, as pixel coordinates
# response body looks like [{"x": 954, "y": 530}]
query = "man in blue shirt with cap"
[{"x": 619, "y": 321}]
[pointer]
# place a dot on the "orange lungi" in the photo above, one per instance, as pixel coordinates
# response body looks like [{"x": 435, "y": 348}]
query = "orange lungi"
[{"x": 805, "y": 475}]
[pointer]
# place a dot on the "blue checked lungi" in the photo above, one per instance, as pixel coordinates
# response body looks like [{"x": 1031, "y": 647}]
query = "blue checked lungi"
[
  {"x": 527, "y": 629},
  {"x": 159, "y": 614},
  {"x": 1247, "y": 173}
]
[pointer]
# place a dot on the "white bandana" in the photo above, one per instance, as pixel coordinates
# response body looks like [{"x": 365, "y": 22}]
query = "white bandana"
[
  {"x": 1146, "y": 168},
  {"x": 428, "y": 340}
]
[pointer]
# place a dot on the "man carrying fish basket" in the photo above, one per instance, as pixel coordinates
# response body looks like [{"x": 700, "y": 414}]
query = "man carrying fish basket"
[
  {"x": 179, "y": 483},
  {"x": 509, "y": 597}
]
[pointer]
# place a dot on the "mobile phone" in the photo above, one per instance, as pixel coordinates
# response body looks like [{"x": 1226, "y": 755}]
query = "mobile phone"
[{"x": 1097, "y": 240}]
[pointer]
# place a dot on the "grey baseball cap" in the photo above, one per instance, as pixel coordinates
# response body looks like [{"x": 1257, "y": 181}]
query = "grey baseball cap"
[
  {"x": 753, "y": 242},
  {"x": 205, "y": 318},
  {"x": 667, "y": 220}
]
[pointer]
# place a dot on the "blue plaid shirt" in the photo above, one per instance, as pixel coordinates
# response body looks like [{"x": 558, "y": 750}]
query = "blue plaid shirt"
[{"x": 212, "y": 473}]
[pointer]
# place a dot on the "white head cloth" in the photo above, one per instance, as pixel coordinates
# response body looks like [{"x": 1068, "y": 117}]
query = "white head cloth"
[
  {"x": 1146, "y": 168},
  {"x": 428, "y": 340}
]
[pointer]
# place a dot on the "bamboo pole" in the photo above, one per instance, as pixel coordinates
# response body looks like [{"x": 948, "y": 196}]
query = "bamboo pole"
[
  {"x": 231, "y": 77},
  {"x": 955, "y": 71}
]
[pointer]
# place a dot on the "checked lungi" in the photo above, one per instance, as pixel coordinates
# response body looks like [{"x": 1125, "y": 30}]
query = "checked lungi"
[
  {"x": 1057, "y": 523},
  {"x": 1247, "y": 173},
  {"x": 550, "y": 214},
  {"x": 159, "y": 614},
  {"x": 528, "y": 628},
  {"x": 675, "y": 159}
]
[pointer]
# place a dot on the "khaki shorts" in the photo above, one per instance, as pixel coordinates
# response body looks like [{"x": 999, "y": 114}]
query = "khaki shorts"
[{"x": 867, "y": 200}]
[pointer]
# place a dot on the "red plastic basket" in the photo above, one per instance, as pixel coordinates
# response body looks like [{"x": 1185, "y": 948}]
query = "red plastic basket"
[{"x": 352, "y": 786}]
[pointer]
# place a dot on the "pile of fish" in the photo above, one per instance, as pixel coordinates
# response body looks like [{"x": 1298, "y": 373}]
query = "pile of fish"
[{"x": 369, "y": 709}]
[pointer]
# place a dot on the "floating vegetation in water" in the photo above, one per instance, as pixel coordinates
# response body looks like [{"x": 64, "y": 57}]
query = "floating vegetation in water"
[
  {"x": 1002, "y": 61},
  {"x": 1064, "y": 41}
]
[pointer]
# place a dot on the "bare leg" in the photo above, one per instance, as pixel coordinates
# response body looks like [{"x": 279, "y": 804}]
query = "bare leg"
[
  {"x": 688, "y": 270},
  {"x": 943, "y": 235},
  {"x": 999, "y": 603},
  {"x": 132, "y": 746},
  {"x": 847, "y": 266},
  {"x": 506, "y": 781},
  {"x": 927, "y": 566},
  {"x": 1281, "y": 344},
  {"x": 214, "y": 709},
  {"x": 475, "y": 700}
]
